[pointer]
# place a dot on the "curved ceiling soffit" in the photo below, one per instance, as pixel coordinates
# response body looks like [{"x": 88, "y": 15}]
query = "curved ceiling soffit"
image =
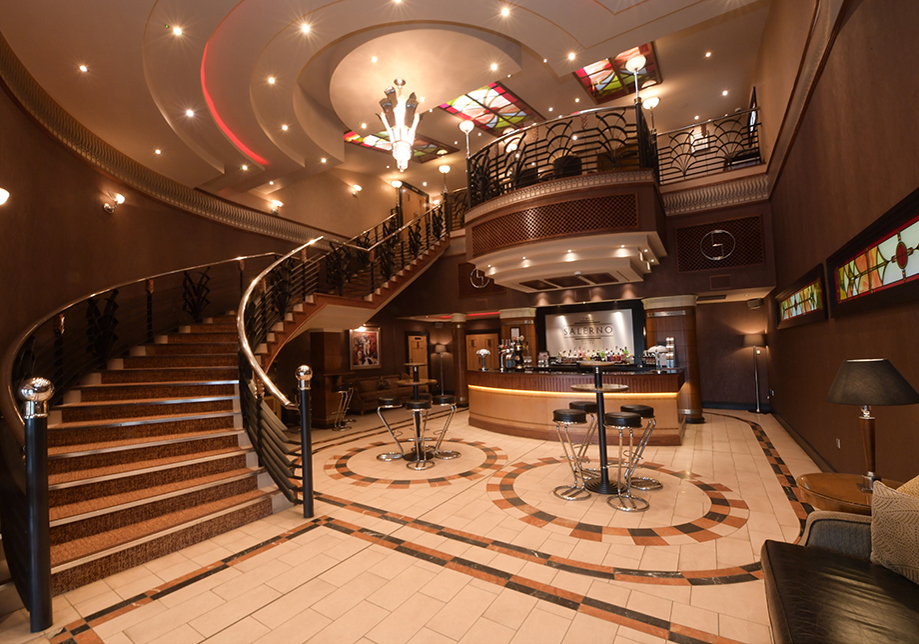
[{"x": 172, "y": 73}]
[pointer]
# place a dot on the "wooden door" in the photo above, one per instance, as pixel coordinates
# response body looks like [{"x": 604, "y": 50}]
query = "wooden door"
[
  {"x": 418, "y": 352},
  {"x": 481, "y": 341}
]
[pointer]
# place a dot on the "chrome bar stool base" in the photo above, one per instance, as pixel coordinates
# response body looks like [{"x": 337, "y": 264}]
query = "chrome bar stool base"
[
  {"x": 419, "y": 458},
  {"x": 444, "y": 401},
  {"x": 569, "y": 417},
  {"x": 625, "y": 500},
  {"x": 643, "y": 483},
  {"x": 589, "y": 407},
  {"x": 390, "y": 402}
]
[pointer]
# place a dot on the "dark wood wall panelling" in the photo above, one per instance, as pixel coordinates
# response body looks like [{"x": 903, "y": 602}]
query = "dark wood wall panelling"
[{"x": 851, "y": 161}]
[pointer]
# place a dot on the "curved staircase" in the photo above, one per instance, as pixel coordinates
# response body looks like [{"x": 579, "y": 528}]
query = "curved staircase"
[{"x": 149, "y": 456}]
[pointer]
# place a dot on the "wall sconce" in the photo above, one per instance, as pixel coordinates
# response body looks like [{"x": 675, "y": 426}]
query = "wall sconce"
[
  {"x": 396, "y": 184},
  {"x": 117, "y": 199},
  {"x": 355, "y": 189},
  {"x": 4, "y": 195},
  {"x": 276, "y": 206}
]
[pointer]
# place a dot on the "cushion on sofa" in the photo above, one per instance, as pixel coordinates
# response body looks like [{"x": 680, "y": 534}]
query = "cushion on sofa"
[
  {"x": 895, "y": 530},
  {"x": 815, "y": 595}
]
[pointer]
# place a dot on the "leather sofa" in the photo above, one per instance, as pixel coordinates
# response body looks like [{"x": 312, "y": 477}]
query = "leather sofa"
[{"x": 827, "y": 590}]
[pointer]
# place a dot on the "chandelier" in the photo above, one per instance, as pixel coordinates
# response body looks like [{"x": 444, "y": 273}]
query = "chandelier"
[{"x": 400, "y": 120}]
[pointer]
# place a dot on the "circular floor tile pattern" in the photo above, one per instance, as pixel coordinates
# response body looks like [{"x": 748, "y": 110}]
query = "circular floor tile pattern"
[
  {"x": 359, "y": 465},
  {"x": 723, "y": 511}
]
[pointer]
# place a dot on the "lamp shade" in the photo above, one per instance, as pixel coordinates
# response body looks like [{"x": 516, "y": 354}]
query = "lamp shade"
[
  {"x": 439, "y": 348},
  {"x": 871, "y": 382},
  {"x": 754, "y": 340}
]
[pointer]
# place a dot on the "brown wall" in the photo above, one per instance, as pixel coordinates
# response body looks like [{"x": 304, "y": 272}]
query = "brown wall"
[
  {"x": 853, "y": 158},
  {"x": 58, "y": 244}
]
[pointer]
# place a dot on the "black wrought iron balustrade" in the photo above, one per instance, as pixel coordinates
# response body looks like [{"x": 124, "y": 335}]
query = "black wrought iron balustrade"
[
  {"x": 712, "y": 147},
  {"x": 599, "y": 140}
]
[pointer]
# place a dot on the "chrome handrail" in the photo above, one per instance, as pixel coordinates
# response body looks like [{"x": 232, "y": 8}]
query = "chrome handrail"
[
  {"x": 241, "y": 327},
  {"x": 8, "y": 406},
  {"x": 427, "y": 213}
]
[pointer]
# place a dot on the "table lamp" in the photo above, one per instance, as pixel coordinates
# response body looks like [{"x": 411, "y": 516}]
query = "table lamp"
[
  {"x": 755, "y": 340},
  {"x": 866, "y": 383}
]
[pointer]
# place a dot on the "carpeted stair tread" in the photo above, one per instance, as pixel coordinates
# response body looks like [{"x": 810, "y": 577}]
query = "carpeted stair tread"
[
  {"x": 198, "y": 338},
  {"x": 153, "y": 391},
  {"x": 187, "y": 374},
  {"x": 129, "y": 468},
  {"x": 140, "y": 442},
  {"x": 210, "y": 348},
  {"x": 115, "y": 500},
  {"x": 221, "y": 327},
  {"x": 138, "y": 420},
  {"x": 79, "y": 548},
  {"x": 116, "y": 410},
  {"x": 167, "y": 362}
]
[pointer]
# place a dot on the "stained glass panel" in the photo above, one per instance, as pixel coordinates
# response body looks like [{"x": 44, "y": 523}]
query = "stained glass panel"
[
  {"x": 891, "y": 261},
  {"x": 801, "y": 302},
  {"x": 608, "y": 79},
  {"x": 493, "y": 108}
]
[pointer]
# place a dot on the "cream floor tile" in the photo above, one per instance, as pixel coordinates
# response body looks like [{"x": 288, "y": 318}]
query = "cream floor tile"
[
  {"x": 401, "y": 588},
  {"x": 87, "y": 592},
  {"x": 698, "y": 618},
  {"x": 96, "y": 603},
  {"x": 404, "y": 622},
  {"x": 299, "y": 628},
  {"x": 427, "y": 636},
  {"x": 744, "y": 631},
  {"x": 485, "y": 631},
  {"x": 626, "y": 635},
  {"x": 340, "y": 601},
  {"x": 510, "y": 608},
  {"x": 188, "y": 593},
  {"x": 308, "y": 569},
  {"x": 445, "y": 585},
  {"x": 461, "y": 612},
  {"x": 744, "y": 601},
  {"x": 249, "y": 580},
  {"x": 171, "y": 618},
  {"x": 184, "y": 634},
  {"x": 352, "y": 625},
  {"x": 245, "y": 631},
  {"x": 586, "y": 629},
  {"x": 234, "y": 610},
  {"x": 118, "y": 625},
  {"x": 543, "y": 627},
  {"x": 296, "y": 600}
]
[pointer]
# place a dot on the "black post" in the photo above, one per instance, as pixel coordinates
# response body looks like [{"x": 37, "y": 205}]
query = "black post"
[
  {"x": 36, "y": 392},
  {"x": 304, "y": 375},
  {"x": 259, "y": 398},
  {"x": 149, "y": 289}
]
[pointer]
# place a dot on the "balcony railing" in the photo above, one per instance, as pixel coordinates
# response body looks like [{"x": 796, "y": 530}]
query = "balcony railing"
[
  {"x": 607, "y": 140},
  {"x": 712, "y": 147},
  {"x": 599, "y": 140}
]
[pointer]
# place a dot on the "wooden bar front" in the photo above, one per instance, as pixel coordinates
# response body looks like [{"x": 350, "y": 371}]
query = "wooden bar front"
[{"x": 521, "y": 403}]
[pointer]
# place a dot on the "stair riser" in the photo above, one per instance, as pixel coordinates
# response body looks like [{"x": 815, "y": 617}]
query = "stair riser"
[
  {"x": 174, "y": 362},
  {"x": 114, "y": 520},
  {"x": 169, "y": 375},
  {"x": 103, "y": 567},
  {"x": 224, "y": 348},
  {"x": 78, "y": 493},
  {"x": 97, "y": 394},
  {"x": 73, "y": 438},
  {"x": 209, "y": 328},
  {"x": 126, "y": 457},
  {"x": 198, "y": 338},
  {"x": 142, "y": 410}
]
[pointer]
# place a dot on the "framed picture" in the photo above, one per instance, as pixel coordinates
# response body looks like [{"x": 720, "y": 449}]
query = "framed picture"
[
  {"x": 515, "y": 331},
  {"x": 804, "y": 301},
  {"x": 364, "y": 348}
]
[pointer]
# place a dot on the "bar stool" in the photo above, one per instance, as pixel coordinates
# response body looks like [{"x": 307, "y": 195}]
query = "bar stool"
[
  {"x": 589, "y": 407},
  {"x": 445, "y": 401},
  {"x": 419, "y": 458},
  {"x": 569, "y": 417},
  {"x": 346, "y": 393},
  {"x": 642, "y": 482},
  {"x": 390, "y": 402},
  {"x": 624, "y": 500}
]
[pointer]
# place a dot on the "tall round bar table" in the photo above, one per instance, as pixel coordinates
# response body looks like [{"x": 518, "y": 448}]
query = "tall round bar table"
[
  {"x": 601, "y": 485},
  {"x": 417, "y": 454}
]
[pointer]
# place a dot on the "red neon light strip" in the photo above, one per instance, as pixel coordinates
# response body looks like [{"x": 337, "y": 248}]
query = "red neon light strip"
[{"x": 223, "y": 126}]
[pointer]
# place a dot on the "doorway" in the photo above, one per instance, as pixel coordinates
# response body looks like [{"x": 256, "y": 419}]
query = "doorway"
[
  {"x": 418, "y": 352},
  {"x": 482, "y": 341}
]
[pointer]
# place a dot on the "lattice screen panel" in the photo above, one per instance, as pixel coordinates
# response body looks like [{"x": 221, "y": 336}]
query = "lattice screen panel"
[
  {"x": 748, "y": 245},
  {"x": 466, "y": 289},
  {"x": 599, "y": 214}
]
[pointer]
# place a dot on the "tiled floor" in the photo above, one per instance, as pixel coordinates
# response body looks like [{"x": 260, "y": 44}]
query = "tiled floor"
[{"x": 476, "y": 549}]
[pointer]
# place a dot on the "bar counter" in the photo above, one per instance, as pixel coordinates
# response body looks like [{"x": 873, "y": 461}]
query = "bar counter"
[{"x": 520, "y": 403}]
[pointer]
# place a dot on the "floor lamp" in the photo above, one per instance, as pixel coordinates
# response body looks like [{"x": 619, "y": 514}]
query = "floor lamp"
[
  {"x": 440, "y": 350},
  {"x": 866, "y": 383},
  {"x": 755, "y": 340}
]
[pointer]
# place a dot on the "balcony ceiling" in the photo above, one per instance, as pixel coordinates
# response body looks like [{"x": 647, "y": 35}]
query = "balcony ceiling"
[{"x": 142, "y": 77}]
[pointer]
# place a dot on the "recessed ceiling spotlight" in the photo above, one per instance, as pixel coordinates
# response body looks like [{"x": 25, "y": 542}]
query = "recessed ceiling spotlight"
[
  {"x": 424, "y": 184},
  {"x": 696, "y": 118},
  {"x": 480, "y": 134},
  {"x": 272, "y": 80},
  {"x": 545, "y": 60},
  {"x": 505, "y": 12},
  {"x": 363, "y": 126},
  {"x": 622, "y": 246},
  {"x": 177, "y": 31},
  {"x": 244, "y": 167},
  {"x": 373, "y": 59},
  {"x": 574, "y": 137},
  {"x": 271, "y": 183},
  {"x": 550, "y": 109},
  {"x": 323, "y": 160},
  {"x": 157, "y": 151},
  {"x": 577, "y": 100},
  {"x": 508, "y": 75},
  {"x": 84, "y": 68},
  {"x": 708, "y": 54},
  {"x": 189, "y": 112},
  {"x": 421, "y": 99},
  {"x": 569, "y": 250},
  {"x": 305, "y": 28},
  {"x": 724, "y": 93},
  {"x": 524, "y": 257},
  {"x": 571, "y": 56},
  {"x": 284, "y": 127},
  {"x": 494, "y": 67}
]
